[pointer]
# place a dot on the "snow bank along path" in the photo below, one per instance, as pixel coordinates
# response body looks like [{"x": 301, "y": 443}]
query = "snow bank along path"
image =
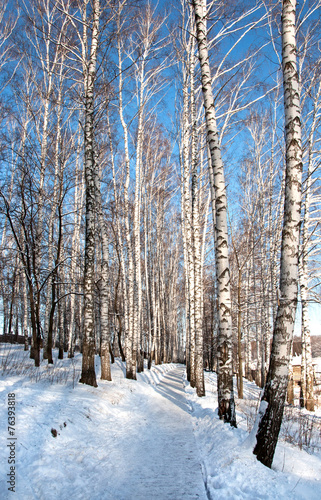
[
  {"x": 160, "y": 461},
  {"x": 134, "y": 440},
  {"x": 125, "y": 440}
]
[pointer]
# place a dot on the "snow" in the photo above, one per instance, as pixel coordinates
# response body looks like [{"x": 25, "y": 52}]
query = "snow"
[
  {"x": 317, "y": 363},
  {"x": 134, "y": 440},
  {"x": 233, "y": 472}
]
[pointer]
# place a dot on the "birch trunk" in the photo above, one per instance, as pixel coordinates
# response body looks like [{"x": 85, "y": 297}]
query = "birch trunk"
[
  {"x": 306, "y": 358},
  {"x": 136, "y": 229},
  {"x": 197, "y": 257},
  {"x": 48, "y": 64},
  {"x": 75, "y": 248},
  {"x": 104, "y": 292},
  {"x": 147, "y": 273},
  {"x": 88, "y": 375},
  {"x": 239, "y": 335},
  {"x": 274, "y": 394},
  {"x": 226, "y": 406},
  {"x": 61, "y": 327},
  {"x": 130, "y": 358},
  {"x": 184, "y": 186},
  {"x": 25, "y": 312},
  {"x": 187, "y": 236},
  {"x": 247, "y": 338},
  {"x": 50, "y": 304},
  {"x": 120, "y": 253}
]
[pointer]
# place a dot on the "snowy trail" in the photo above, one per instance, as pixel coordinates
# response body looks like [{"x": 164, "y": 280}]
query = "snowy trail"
[
  {"x": 125, "y": 440},
  {"x": 160, "y": 460},
  {"x": 136, "y": 440}
]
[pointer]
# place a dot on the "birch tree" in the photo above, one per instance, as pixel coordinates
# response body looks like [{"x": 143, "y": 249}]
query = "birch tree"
[
  {"x": 257, "y": 235},
  {"x": 129, "y": 304},
  {"x": 7, "y": 26},
  {"x": 218, "y": 192},
  {"x": 104, "y": 290},
  {"x": 274, "y": 394},
  {"x": 197, "y": 257},
  {"x": 75, "y": 245},
  {"x": 309, "y": 70},
  {"x": 88, "y": 375},
  {"x": 137, "y": 45},
  {"x": 309, "y": 249},
  {"x": 193, "y": 188},
  {"x": 43, "y": 18}
]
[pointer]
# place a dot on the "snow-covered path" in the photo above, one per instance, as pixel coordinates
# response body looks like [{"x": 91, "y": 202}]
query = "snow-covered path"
[
  {"x": 125, "y": 440},
  {"x": 157, "y": 457},
  {"x": 136, "y": 440}
]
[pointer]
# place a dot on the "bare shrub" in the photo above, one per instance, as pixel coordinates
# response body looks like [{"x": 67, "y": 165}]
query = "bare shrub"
[
  {"x": 301, "y": 429},
  {"x": 15, "y": 361}
]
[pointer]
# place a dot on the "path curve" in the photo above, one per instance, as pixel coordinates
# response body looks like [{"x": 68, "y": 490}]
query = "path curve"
[{"x": 161, "y": 459}]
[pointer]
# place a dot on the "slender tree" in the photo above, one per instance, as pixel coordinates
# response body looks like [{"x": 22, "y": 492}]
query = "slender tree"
[
  {"x": 129, "y": 303},
  {"x": 88, "y": 375},
  {"x": 218, "y": 189},
  {"x": 274, "y": 394}
]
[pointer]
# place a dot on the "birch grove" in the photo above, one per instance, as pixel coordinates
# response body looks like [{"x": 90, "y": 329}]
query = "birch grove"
[{"x": 150, "y": 186}]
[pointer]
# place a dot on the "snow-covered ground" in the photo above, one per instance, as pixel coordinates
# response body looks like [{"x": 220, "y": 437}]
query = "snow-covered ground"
[{"x": 131, "y": 440}]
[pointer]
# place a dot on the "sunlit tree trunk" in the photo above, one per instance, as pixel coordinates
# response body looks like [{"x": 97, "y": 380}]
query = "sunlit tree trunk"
[
  {"x": 75, "y": 249},
  {"x": 189, "y": 268},
  {"x": 136, "y": 223},
  {"x": 25, "y": 312},
  {"x": 120, "y": 253},
  {"x": 43, "y": 16},
  {"x": 147, "y": 267},
  {"x": 88, "y": 375},
  {"x": 196, "y": 240},
  {"x": 308, "y": 228},
  {"x": 185, "y": 221},
  {"x": 130, "y": 359},
  {"x": 104, "y": 291},
  {"x": 54, "y": 263},
  {"x": 61, "y": 327},
  {"x": 274, "y": 394},
  {"x": 226, "y": 406}
]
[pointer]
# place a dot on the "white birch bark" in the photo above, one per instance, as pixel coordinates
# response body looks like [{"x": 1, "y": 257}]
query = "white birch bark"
[
  {"x": 61, "y": 328},
  {"x": 187, "y": 234},
  {"x": 160, "y": 332},
  {"x": 196, "y": 242},
  {"x": 306, "y": 358},
  {"x": 119, "y": 246},
  {"x": 104, "y": 290},
  {"x": 88, "y": 375},
  {"x": 104, "y": 282},
  {"x": 225, "y": 375},
  {"x": 25, "y": 312},
  {"x": 137, "y": 218},
  {"x": 147, "y": 267},
  {"x": 49, "y": 65},
  {"x": 130, "y": 357},
  {"x": 276, "y": 386},
  {"x": 75, "y": 247},
  {"x": 247, "y": 338},
  {"x": 57, "y": 190}
]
